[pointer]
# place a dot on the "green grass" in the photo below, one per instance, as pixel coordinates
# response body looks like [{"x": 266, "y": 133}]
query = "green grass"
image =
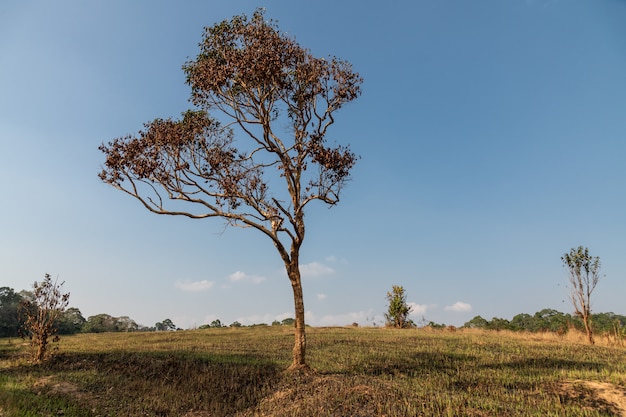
[{"x": 359, "y": 372}]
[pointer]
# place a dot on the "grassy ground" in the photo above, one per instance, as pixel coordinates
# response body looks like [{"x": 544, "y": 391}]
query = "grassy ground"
[{"x": 360, "y": 372}]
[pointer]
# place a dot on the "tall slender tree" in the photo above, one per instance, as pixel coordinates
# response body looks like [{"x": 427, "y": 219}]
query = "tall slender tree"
[
  {"x": 266, "y": 159},
  {"x": 584, "y": 274}
]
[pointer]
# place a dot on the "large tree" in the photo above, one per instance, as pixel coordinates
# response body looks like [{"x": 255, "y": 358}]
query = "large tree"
[
  {"x": 584, "y": 274},
  {"x": 265, "y": 160}
]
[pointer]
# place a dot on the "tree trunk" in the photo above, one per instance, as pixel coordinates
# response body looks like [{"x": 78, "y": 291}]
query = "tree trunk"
[
  {"x": 41, "y": 342},
  {"x": 588, "y": 329},
  {"x": 299, "y": 348}
]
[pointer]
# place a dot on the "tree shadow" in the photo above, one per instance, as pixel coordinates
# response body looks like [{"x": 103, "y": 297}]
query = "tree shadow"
[
  {"x": 154, "y": 383},
  {"x": 541, "y": 364},
  {"x": 415, "y": 364},
  {"x": 426, "y": 362}
]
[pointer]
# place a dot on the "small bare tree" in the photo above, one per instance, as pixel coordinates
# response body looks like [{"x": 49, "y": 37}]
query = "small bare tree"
[
  {"x": 278, "y": 98},
  {"x": 584, "y": 274},
  {"x": 41, "y": 314}
]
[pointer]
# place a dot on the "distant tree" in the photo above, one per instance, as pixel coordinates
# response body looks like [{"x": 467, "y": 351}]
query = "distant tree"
[
  {"x": 216, "y": 323},
  {"x": 584, "y": 274},
  {"x": 282, "y": 100},
  {"x": 71, "y": 321},
  {"x": 398, "y": 309},
  {"x": 498, "y": 324},
  {"x": 125, "y": 324},
  {"x": 477, "y": 323},
  {"x": 97, "y": 323},
  {"x": 166, "y": 325},
  {"x": 41, "y": 315},
  {"x": 100, "y": 323},
  {"x": 9, "y": 304},
  {"x": 235, "y": 324},
  {"x": 522, "y": 322},
  {"x": 550, "y": 320},
  {"x": 288, "y": 322}
]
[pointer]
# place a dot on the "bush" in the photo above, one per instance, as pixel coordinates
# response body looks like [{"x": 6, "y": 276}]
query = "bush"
[{"x": 42, "y": 314}]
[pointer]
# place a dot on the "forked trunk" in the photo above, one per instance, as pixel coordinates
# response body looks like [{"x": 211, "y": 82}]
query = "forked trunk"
[{"x": 299, "y": 347}]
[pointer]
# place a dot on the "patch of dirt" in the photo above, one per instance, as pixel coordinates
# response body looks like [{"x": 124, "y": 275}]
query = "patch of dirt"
[
  {"x": 313, "y": 395},
  {"x": 593, "y": 391},
  {"x": 48, "y": 386}
]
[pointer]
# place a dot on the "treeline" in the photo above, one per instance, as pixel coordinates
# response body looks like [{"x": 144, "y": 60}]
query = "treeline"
[
  {"x": 218, "y": 324},
  {"x": 549, "y": 320},
  {"x": 72, "y": 320}
]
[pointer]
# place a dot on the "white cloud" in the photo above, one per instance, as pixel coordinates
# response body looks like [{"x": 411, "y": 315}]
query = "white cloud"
[
  {"x": 321, "y": 297},
  {"x": 262, "y": 318},
  {"x": 334, "y": 260},
  {"x": 459, "y": 307},
  {"x": 194, "y": 286},
  {"x": 363, "y": 318},
  {"x": 237, "y": 276},
  {"x": 242, "y": 276},
  {"x": 419, "y": 309},
  {"x": 315, "y": 269}
]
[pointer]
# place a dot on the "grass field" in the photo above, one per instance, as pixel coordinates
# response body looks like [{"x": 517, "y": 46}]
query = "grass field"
[{"x": 359, "y": 372}]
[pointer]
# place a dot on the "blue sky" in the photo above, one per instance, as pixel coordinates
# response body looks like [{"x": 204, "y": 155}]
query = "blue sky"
[{"x": 492, "y": 137}]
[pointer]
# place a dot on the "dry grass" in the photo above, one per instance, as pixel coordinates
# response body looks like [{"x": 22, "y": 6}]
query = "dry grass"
[{"x": 360, "y": 372}]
